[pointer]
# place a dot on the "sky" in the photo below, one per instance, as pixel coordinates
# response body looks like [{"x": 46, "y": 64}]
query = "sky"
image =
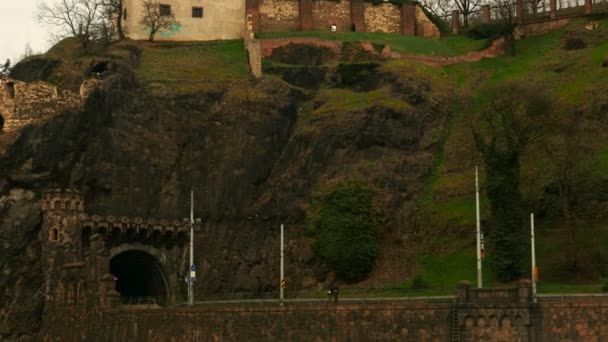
[{"x": 18, "y": 26}]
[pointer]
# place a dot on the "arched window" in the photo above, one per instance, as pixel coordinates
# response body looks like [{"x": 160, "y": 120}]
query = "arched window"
[{"x": 54, "y": 234}]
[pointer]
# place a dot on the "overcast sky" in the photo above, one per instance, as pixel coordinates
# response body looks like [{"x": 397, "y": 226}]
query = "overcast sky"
[{"x": 18, "y": 26}]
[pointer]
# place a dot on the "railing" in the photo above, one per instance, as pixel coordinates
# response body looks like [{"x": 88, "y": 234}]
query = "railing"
[
  {"x": 494, "y": 295},
  {"x": 140, "y": 300},
  {"x": 526, "y": 11}
]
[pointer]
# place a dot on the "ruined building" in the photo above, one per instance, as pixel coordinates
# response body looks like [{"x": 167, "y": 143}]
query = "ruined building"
[{"x": 24, "y": 103}]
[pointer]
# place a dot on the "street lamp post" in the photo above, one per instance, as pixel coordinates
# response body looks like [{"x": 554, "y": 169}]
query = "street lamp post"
[
  {"x": 479, "y": 277},
  {"x": 191, "y": 268}
]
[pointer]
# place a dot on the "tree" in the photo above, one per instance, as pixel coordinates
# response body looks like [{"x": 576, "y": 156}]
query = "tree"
[
  {"x": 75, "y": 18},
  {"x": 113, "y": 13},
  {"x": 467, "y": 7},
  {"x": 344, "y": 225},
  {"x": 511, "y": 118},
  {"x": 439, "y": 8},
  {"x": 5, "y": 68},
  {"x": 156, "y": 21}
]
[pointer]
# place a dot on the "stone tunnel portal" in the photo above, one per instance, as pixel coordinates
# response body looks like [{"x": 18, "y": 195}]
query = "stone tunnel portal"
[{"x": 140, "y": 278}]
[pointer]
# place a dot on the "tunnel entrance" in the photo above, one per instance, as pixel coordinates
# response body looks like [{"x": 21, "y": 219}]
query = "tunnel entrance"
[{"x": 140, "y": 278}]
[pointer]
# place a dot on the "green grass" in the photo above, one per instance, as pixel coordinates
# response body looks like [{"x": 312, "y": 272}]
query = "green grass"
[
  {"x": 448, "y": 46},
  {"x": 193, "y": 65},
  {"x": 344, "y": 100},
  {"x": 445, "y": 271}
]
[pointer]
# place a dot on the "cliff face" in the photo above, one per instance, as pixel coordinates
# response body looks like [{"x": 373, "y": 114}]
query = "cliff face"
[{"x": 255, "y": 152}]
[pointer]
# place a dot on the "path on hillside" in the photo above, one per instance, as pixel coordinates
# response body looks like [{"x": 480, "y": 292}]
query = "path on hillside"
[{"x": 496, "y": 49}]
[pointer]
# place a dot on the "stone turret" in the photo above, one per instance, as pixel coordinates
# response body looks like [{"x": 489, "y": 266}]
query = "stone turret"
[{"x": 62, "y": 210}]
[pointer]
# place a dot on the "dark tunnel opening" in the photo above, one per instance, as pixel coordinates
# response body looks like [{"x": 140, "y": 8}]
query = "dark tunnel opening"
[{"x": 139, "y": 278}]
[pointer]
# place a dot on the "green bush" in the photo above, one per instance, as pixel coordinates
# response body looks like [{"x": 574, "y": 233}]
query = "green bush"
[
  {"x": 343, "y": 223},
  {"x": 490, "y": 31},
  {"x": 419, "y": 283}
]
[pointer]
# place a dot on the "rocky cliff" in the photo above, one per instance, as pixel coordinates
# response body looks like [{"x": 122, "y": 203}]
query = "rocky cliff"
[{"x": 255, "y": 151}]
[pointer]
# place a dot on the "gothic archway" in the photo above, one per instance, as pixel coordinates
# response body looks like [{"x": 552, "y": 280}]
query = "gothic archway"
[{"x": 140, "y": 278}]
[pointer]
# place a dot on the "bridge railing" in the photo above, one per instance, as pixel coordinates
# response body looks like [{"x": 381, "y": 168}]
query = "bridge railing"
[{"x": 141, "y": 300}]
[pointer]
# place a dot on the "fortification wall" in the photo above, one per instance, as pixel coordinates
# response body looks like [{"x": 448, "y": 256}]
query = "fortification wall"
[
  {"x": 581, "y": 319},
  {"x": 424, "y": 26},
  {"x": 293, "y": 15},
  {"x": 278, "y": 15},
  {"x": 327, "y": 13},
  {"x": 24, "y": 103},
  {"x": 382, "y": 18},
  {"x": 319, "y": 322},
  {"x": 570, "y": 320}
]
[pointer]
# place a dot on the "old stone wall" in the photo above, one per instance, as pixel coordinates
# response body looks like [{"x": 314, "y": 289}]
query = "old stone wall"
[
  {"x": 292, "y": 15},
  {"x": 424, "y": 26},
  {"x": 279, "y": 15},
  {"x": 382, "y": 18},
  {"x": 583, "y": 319},
  {"x": 327, "y": 13},
  {"x": 304, "y": 322},
  {"x": 24, "y": 103}
]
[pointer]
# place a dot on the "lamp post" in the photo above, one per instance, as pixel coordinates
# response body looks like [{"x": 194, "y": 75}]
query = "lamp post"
[
  {"x": 191, "y": 268},
  {"x": 479, "y": 277}
]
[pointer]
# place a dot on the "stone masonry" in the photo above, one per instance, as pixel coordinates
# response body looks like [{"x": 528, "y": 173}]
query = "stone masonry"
[{"x": 24, "y": 103}]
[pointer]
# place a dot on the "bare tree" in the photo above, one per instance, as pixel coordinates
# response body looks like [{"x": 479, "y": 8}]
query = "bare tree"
[
  {"x": 27, "y": 51},
  {"x": 155, "y": 20},
  {"x": 75, "y": 18},
  {"x": 5, "y": 68},
  {"x": 113, "y": 14},
  {"x": 440, "y": 8},
  {"x": 467, "y": 7}
]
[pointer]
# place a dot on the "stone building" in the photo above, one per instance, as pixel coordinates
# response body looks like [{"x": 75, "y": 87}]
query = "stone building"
[
  {"x": 91, "y": 263},
  {"x": 198, "y": 19}
]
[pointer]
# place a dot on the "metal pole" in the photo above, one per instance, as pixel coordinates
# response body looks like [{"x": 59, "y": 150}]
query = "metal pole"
[
  {"x": 191, "y": 268},
  {"x": 533, "y": 258},
  {"x": 281, "y": 285},
  {"x": 479, "y": 277}
]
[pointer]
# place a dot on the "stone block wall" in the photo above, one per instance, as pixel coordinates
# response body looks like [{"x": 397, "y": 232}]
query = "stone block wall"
[
  {"x": 326, "y": 13},
  {"x": 572, "y": 319},
  {"x": 305, "y": 322},
  {"x": 27, "y": 103},
  {"x": 293, "y": 15},
  {"x": 279, "y": 15},
  {"x": 382, "y": 18},
  {"x": 424, "y": 26}
]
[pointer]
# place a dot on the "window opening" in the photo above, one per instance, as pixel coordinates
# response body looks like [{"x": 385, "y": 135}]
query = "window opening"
[
  {"x": 165, "y": 10},
  {"x": 197, "y": 12}
]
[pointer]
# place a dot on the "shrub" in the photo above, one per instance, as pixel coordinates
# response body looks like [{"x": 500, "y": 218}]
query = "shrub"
[
  {"x": 490, "y": 31},
  {"x": 419, "y": 283},
  {"x": 574, "y": 43},
  {"x": 343, "y": 223}
]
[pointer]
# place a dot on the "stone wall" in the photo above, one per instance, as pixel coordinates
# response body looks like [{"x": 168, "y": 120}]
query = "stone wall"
[
  {"x": 292, "y": 15},
  {"x": 382, "y": 18},
  {"x": 279, "y": 15},
  {"x": 400, "y": 321},
  {"x": 581, "y": 318},
  {"x": 24, "y": 103},
  {"x": 326, "y": 13},
  {"x": 424, "y": 26}
]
